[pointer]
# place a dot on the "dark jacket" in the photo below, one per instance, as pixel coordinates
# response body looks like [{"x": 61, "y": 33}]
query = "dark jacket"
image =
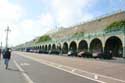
[{"x": 7, "y": 55}]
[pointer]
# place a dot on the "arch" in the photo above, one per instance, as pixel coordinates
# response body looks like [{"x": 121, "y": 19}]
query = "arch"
[
  {"x": 96, "y": 45},
  {"x": 40, "y": 47},
  {"x": 33, "y": 47},
  {"x": 49, "y": 47},
  {"x": 45, "y": 47},
  {"x": 65, "y": 48},
  {"x": 53, "y": 47},
  {"x": 113, "y": 45},
  {"x": 73, "y": 46},
  {"x": 83, "y": 46},
  {"x": 36, "y": 47}
]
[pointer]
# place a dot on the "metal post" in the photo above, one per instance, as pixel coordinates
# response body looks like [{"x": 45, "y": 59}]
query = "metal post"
[
  {"x": 7, "y": 30},
  {"x": 124, "y": 42},
  {"x": 1, "y": 45}
]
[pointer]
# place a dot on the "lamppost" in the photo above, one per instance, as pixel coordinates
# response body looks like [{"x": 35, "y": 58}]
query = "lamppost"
[
  {"x": 1, "y": 45},
  {"x": 7, "y": 31},
  {"x": 124, "y": 42}
]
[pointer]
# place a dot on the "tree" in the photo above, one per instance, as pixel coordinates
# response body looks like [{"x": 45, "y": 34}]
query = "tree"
[
  {"x": 118, "y": 25},
  {"x": 44, "y": 38}
]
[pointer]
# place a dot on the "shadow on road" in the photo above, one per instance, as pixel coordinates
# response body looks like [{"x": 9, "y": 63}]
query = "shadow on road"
[{"x": 16, "y": 70}]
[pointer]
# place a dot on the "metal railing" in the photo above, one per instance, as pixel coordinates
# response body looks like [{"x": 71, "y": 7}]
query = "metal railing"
[
  {"x": 78, "y": 37},
  {"x": 95, "y": 34}
]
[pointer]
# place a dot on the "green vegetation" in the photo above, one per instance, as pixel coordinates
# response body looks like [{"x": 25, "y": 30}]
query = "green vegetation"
[
  {"x": 44, "y": 39},
  {"x": 116, "y": 26},
  {"x": 78, "y": 33}
]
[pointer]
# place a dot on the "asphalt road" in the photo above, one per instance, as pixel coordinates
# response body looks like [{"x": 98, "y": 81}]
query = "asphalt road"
[
  {"x": 23, "y": 70},
  {"x": 12, "y": 75}
]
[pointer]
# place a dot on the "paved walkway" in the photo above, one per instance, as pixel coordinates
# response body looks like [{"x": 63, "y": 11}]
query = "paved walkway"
[{"x": 107, "y": 68}]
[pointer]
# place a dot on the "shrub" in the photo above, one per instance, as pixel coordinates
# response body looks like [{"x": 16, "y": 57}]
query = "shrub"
[
  {"x": 118, "y": 25},
  {"x": 44, "y": 38}
]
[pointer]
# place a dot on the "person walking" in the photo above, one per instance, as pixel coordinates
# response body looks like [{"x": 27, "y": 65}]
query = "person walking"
[
  {"x": 0, "y": 54},
  {"x": 6, "y": 57}
]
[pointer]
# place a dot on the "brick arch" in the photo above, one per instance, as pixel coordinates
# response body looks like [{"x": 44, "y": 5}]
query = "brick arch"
[
  {"x": 49, "y": 47},
  {"x": 65, "y": 48},
  {"x": 53, "y": 45},
  {"x": 114, "y": 46},
  {"x": 45, "y": 47},
  {"x": 73, "y": 46},
  {"x": 82, "y": 45},
  {"x": 96, "y": 45},
  {"x": 118, "y": 36}
]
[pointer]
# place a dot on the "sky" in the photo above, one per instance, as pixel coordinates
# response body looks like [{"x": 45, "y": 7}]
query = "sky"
[{"x": 28, "y": 19}]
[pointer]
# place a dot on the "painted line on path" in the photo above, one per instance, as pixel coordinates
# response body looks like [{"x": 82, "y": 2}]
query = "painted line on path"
[
  {"x": 28, "y": 79},
  {"x": 60, "y": 67},
  {"x": 93, "y": 76}
]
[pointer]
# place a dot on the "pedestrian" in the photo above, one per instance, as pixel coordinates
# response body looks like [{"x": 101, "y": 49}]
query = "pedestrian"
[
  {"x": 6, "y": 57},
  {"x": 0, "y": 53}
]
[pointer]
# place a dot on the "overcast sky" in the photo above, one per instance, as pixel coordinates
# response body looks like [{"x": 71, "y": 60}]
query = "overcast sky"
[{"x": 28, "y": 19}]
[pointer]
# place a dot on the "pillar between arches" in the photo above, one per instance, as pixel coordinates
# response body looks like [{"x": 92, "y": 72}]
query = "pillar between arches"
[
  {"x": 124, "y": 46},
  {"x": 124, "y": 52},
  {"x": 103, "y": 47}
]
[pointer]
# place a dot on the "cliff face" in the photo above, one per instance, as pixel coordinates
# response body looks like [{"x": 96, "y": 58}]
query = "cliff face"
[
  {"x": 102, "y": 23},
  {"x": 92, "y": 26}
]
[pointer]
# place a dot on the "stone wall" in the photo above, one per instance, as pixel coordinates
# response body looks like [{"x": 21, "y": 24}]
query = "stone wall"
[{"x": 91, "y": 26}]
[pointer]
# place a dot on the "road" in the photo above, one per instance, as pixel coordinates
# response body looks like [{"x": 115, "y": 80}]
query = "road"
[{"x": 24, "y": 70}]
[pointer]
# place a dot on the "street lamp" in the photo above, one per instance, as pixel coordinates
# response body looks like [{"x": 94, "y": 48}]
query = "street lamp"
[
  {"x": 1, "y": 45},
  {"x": 124, "y": 42},
  {"x": 7, "y": 31}
]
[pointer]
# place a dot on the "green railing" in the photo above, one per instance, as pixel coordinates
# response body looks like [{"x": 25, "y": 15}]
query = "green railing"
[
  {"x": 78, "y": 37},
  {"x": 92, "y": 35}
]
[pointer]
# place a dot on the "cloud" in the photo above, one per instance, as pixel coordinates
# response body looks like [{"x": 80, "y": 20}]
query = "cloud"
[
  {"x": 10, "y": 14},
  {"x": 58, "y": 13},
  {"x": 69, "y": 12},
  {"x": 27, "y": 30},
  {"x": 46, "y": 20},
  {"x": 22, "y": 32},
  {"x": 66, "y": 12}
]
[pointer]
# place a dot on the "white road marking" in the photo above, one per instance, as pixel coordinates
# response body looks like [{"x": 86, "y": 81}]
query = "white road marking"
[
  {"x": 60, "y": 66},
  {"x": 73, "y": 70},
  {"x": 50, "y": 64},
  {"x": 96, "y": 76},
  {"x": 24, "y": 64},
  {"x": 82, "y": 75},
  {"x": 23, "y": 73}
]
